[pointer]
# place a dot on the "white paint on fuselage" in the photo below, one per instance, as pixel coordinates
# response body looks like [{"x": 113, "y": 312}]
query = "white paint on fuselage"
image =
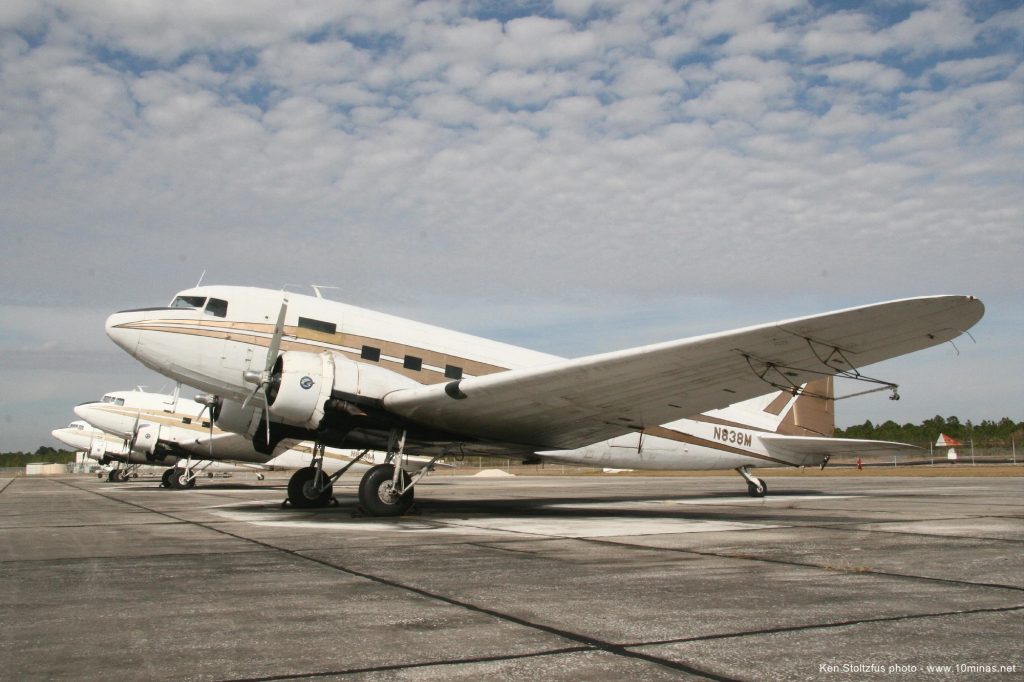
[{"x": 216, "y": 365}]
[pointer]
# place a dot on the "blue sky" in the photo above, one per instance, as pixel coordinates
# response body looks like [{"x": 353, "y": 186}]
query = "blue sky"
[{"x": 574, "y": 176}]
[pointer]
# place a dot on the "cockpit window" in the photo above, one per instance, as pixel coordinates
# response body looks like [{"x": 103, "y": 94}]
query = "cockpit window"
[
  {"x": 108, "y": 398},
  {"x": 217, "y": 307},
  {"x": 188, "y": 302},
  {"x": 119, "y": 401}
]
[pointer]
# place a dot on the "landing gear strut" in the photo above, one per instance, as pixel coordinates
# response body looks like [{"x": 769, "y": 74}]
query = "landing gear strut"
[{"x": 755, "y": 486}]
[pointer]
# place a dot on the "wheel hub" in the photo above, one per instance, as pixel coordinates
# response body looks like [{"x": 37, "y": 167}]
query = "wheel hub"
[
  {"x": 386, "y": 492},
  {"x": 309, "y": 490}
]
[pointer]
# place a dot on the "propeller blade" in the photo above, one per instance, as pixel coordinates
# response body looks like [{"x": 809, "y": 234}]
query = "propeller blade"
[
  {"x": 248, "y": 399},
  {"x": 275, "y": 342},
  {"x": 135, "y": 432},
  {"x": 266, "y": 420}
]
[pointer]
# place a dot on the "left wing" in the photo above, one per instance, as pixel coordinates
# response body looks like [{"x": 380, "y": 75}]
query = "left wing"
[
  {"x": 805, "y": 451},
  {"x": 571, "y": 403}
]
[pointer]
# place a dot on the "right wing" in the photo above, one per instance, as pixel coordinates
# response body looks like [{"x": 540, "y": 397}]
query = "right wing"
[{"x": 571, "y": 403}]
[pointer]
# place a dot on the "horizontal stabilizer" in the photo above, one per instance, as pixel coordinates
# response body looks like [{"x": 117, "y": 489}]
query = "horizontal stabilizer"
[{"x": 803, "y": 451}]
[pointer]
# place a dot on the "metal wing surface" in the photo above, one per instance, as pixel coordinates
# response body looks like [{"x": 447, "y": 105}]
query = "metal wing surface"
[
  {"x": 571, "y": 403},
  {"x": 805, "y": 451}
]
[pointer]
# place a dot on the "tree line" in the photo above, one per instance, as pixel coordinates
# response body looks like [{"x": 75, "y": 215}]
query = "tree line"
[
  {"x": 988, "y": 433},
  {"x": 42, "y": 454}
]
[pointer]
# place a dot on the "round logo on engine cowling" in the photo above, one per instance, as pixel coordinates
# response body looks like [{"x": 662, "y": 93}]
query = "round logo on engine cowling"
[{"x": 306, "y": 382}]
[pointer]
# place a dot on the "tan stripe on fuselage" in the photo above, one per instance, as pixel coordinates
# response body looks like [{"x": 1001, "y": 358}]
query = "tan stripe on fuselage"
[{"x": 307, "y": 340}]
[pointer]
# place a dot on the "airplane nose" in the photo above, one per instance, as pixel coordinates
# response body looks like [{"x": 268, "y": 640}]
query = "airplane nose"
[
  {"x": 84, "y": 411},
  {"x": 121, "y": 334}
]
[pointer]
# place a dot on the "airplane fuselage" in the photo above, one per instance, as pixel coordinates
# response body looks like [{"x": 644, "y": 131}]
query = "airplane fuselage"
[{"x": 210, "y": 337}]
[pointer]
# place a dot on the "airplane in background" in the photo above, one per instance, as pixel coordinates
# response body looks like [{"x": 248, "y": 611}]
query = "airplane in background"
[
  {"x": 312, "y": 369},
  {"x": 169, "y": 429},
  {"x": 107, "y": 448}
]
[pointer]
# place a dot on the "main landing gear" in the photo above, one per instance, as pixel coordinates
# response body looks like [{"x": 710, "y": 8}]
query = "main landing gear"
[
  {"x": 122, "y": 474},
  {"x": 179, "y": 478},
  {"x": 385, "y": 490},
  {"x": 755, "y": 486},
  {"x": 383, "y": 493}
]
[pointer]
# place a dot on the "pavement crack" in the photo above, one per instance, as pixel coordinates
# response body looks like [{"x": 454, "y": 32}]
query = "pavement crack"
[
  {"x": 822, "y": 626},
  {"x": 807, "y": 564}
]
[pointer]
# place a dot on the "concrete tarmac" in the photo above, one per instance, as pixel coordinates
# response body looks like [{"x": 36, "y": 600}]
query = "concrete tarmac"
[{"x": 547, "y": 578}]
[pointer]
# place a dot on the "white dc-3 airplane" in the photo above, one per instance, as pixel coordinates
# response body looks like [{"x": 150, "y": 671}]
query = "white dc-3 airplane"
[
  {"x": 159, "y": 428},
  {"x": 281, "y": 365},
  {"x": 107, "y": 448}
]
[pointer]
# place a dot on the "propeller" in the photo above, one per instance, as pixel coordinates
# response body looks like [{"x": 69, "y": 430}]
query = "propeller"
[
  {"x": 263, "y": 379},
  {"x": 211, "y": 403},
  {"x": 135, "y": 434}
]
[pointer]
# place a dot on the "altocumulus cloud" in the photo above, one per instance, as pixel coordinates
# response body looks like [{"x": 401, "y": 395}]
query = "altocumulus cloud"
[{"x": 551, "y": 173}]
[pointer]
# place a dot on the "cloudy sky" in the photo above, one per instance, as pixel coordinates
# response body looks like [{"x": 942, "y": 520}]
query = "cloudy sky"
[{"x": 574, "y": 175}]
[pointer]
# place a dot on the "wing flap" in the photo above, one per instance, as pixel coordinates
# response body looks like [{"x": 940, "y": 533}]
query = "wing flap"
[{"x": 570, "y": 403}]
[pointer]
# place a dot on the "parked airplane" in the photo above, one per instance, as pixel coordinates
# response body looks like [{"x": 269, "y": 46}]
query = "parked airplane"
[
  {"x": 169, "y": 429},
  {"x": 107, "y": 448},
  {"x": 346, "y": 376}
]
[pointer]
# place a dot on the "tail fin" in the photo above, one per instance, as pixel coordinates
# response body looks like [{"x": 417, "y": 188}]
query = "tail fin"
[{"x": 812, "y": 413}]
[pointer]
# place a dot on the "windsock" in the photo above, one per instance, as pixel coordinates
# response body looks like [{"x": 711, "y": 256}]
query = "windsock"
[{"x": 945, "y": 441}]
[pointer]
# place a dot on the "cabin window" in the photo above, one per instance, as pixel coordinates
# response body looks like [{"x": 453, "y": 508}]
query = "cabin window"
[
  {"x": 452, "y": 372},
  {"x": 188, "y": 302},
  {"x": 206, "y": 425},
  {"x": 186, "y": 420},
  {"x": 370, "y": 353},
  {"x": 217, "y": 307},
  {"x": 317, "y": 325},
  {"x": 413, "y": 363}
]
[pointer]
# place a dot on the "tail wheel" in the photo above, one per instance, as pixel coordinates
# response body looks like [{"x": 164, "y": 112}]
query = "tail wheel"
[
  {"x": 302, "y": 491},
  {"x": 377, "y": 492},
  {"x": 759, "y": 489}
]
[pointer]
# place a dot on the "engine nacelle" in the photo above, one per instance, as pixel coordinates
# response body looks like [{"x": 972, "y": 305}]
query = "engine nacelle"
[
  {"x": 299, "y": 386},
  {"x": 231, "y": 416},
  {"x": 301, "y": 383},
  {"x": 146, "y": 439}
]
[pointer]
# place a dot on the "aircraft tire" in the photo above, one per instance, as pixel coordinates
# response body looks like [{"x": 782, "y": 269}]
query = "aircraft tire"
[
  {"x": 112, "y": 476},
  {"x": 122, "y": 476},
  {"x": 165, "y": 478},
  {"x": 301, "y": 493},
  {"x": 756, "y": 491},
  {"x": 178, "y": 479},
  {"x": 376, "y": 496}
]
